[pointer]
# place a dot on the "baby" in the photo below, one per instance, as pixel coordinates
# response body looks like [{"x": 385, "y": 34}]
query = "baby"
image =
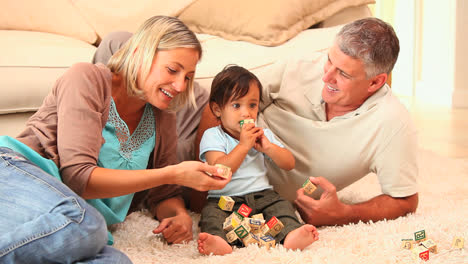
[{"x": 235, "y": 96}]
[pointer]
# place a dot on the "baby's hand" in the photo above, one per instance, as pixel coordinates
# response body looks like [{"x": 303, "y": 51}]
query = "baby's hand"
[
  {"x": 262, "y": 143},
  {"x": 249, "y": 134}
]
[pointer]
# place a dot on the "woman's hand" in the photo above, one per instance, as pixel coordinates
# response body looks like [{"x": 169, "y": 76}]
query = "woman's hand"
[{"x": 193, "y": 174}]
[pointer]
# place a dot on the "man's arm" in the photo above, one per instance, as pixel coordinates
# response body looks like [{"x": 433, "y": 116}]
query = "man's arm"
[{"x": 329, "y": 210}]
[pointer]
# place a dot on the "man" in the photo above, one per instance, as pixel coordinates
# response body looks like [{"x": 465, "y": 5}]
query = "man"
[{"x": 342, "y": 124}]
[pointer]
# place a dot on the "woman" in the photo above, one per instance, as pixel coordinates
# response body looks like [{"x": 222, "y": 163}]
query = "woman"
[{"x": 98, "y": 131}]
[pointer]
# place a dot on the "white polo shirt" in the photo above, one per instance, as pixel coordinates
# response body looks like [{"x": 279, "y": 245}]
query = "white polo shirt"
[{"x": 377, "y": 137}]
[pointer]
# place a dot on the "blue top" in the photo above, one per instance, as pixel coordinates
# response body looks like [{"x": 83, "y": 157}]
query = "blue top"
[
  {"x": 251, "y": 175},
  {"x": 123, "y": 151}
]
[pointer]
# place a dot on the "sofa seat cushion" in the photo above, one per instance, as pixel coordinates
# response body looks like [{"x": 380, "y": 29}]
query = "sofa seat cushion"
[{"x": 31, "y": 63}]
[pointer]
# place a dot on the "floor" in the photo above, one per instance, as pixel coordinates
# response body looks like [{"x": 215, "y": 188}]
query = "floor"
[{"x": 442, "y": 129}]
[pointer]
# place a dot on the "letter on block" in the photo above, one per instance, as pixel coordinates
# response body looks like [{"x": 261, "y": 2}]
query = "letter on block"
[
  {"x": 419, "y": 236},
  {"x": 256, "y": 224},
  {"x": 308, "y": 186},
  {"x": 420, "y": 252},
  {"x": 429, "y": 244},
  {"x": 458, "y": 242},
  {"x": 226, "y": 170},
  {"x": 231, "y": 236},
  {"x": 244, "y": 210},
  {"x": 241, "y": 232},
  {"x": 407, "y": 243},
  {"x": 226, "y": 203},
  {"x": 275, "y": 226},
  {"x": 267, "y": 241}
]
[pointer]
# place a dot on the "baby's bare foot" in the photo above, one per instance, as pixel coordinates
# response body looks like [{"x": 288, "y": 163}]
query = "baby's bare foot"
[
  {"x": 301, "y": 237},
  {"x": 208, "y": 244}
]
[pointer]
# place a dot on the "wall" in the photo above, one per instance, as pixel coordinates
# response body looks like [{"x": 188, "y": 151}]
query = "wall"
[{"x": 460, "y": 93}]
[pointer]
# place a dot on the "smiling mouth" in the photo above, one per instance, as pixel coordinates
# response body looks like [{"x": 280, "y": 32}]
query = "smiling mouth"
[
  {"x": 166, "y": 93},
  {"x": 332, "y": 89}
]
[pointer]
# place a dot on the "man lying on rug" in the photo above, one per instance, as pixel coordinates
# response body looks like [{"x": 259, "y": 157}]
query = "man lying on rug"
[{"x": 341, "y": 124}]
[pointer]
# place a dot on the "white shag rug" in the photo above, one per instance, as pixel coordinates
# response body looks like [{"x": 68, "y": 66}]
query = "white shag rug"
[{"x": 442, "y": 213}]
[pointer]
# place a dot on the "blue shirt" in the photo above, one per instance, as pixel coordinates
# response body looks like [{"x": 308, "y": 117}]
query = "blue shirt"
[
  {"x": 123, "y": 151},
  {"x": 251, "y": 175}
]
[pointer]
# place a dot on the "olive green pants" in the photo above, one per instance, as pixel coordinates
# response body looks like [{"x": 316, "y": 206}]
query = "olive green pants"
[{"x": 267, "y": 202}]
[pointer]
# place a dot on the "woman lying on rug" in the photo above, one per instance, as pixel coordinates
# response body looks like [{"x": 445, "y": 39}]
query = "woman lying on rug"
[
  {"x": 235, "y": 96},
  {"x": 98, "y": 131}
]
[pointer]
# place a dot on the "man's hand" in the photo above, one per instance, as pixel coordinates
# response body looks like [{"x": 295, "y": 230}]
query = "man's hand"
[
  {"x": 328, "y": 210},
  {"x": 176, "y": 229}
]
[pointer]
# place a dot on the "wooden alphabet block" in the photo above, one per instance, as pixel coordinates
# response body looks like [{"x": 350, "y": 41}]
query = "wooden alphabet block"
[
  {"x": 420, "y": 252},
  {"x": 230, "y": 223},
  {"x": 429, "y": 244},
  {"x": 407, "y": 243},
  {"x": 226, "y": 203},
  {"x": 274, "y": 226},
  {"x": 267, "y": 241},
  {"x": 308, "y": 186},
  {"x": 258, "y": 216},
  {"x": 226, "y": 171},
  {"x": 244, "y": 210},
  {"x": 250, "y": 239},
  {"x": 255, "y": 224},
  {"x": 419, "y": 236},
  {"x": 458, "y": 242},
  {"x": 241, "y": 232},
  {"x": 231, "y": 236},
  {"x": 246, "y": 121}
]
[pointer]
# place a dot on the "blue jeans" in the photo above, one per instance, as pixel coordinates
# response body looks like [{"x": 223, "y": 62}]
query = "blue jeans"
[{"x": 43, "y": 221}]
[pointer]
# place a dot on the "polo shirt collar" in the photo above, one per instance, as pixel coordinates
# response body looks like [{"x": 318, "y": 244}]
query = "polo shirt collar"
[{"x": 319, "y": 104}]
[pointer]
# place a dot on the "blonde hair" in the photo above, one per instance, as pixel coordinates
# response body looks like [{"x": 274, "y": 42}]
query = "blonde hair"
[{"x": 137, "y": 54}]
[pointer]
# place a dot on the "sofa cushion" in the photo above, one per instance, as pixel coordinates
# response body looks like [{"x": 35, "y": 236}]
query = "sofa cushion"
[
  {"x": 117, "y": 15},
  {"x": 263, "y": 22},
  {"x": 30, "y": 64},
  {"x": 53, "y": 16}
]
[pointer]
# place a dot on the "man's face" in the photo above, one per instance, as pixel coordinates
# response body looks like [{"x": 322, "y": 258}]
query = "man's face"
[{"x": 345, "y": 84}]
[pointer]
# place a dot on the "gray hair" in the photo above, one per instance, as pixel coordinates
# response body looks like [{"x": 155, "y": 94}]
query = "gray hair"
[
  {"x": 372, "y": 41},
  {"x": 137, "y": 54}
]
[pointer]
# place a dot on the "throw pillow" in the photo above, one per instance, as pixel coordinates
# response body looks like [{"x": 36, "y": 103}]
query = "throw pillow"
[{"x": 263, "y": 22}]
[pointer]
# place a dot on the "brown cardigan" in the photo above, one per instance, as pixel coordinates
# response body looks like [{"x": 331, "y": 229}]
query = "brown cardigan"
[{"x": 67, "y": 129}]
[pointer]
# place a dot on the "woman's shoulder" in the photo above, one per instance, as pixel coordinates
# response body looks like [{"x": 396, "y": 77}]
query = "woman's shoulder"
[{"x": 81, "y": 69}]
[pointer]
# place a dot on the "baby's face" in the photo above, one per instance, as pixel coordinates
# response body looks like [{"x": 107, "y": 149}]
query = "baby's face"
[{"x": 242, "y": 108}]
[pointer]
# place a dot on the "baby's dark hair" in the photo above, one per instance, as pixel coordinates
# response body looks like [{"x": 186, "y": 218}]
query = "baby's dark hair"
[{"x": 233, "y": 82}]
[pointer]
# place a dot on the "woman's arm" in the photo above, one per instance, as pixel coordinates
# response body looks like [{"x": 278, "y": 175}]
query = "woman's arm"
[{"x": 104, "y": 183}]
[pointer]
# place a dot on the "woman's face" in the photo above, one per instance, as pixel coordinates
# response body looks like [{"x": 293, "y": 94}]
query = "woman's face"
[{"x": 170, "y": 74}]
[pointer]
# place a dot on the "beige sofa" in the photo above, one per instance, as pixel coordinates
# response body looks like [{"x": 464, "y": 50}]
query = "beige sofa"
[{"x": 41, "y": 39}]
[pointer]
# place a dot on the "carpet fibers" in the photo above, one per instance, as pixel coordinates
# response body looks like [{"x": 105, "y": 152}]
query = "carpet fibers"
[{"x": 442, "y": 213}]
